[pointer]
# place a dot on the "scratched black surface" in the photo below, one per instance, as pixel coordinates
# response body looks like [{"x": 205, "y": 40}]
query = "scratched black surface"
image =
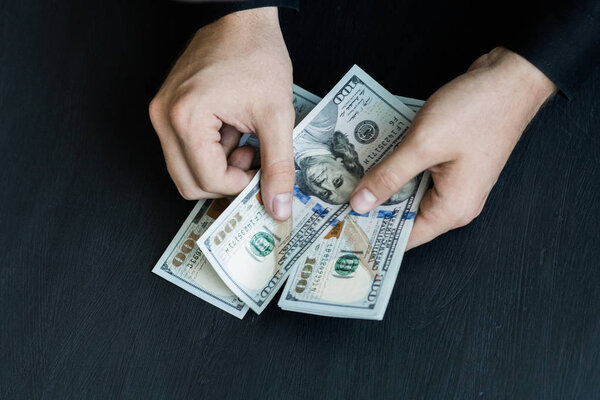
[{"x": 508, "y": 307}]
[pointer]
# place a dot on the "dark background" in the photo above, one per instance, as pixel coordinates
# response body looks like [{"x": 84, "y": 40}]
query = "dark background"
[{"x": 508, "y": 307}]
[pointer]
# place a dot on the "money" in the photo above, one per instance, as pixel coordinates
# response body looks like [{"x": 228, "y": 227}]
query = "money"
[
  {"x": 183, "y": 263},
  {"x": 350, "y": 270},
  {"x": 413, "y": 104},
  {"x": 355, "y": 126},
  {"x": 304, "y": 101}
]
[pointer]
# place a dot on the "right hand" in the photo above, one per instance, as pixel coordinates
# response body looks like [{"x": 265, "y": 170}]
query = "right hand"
[
  {"x": 463, "y": 135},
  {"x": 235, "y": 76}
]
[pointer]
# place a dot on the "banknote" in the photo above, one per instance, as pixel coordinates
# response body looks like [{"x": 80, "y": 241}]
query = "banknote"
[
  {"x": 350, "y": 270},
  {"x": 184, "y": 264},
  {"x": 355, "y": 126},
  {"x": 413, "y": 104},
  {"x": 304, "y": 102}
]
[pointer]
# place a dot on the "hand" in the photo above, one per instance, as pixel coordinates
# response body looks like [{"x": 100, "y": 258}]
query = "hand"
[
  {"x": 464, "y": 135},
  {"x": 235, "y": 76}
]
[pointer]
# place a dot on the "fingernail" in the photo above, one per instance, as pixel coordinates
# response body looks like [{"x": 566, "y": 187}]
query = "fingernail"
[
  {"x": 282, "y": 206},
  {"x": 363, "y": 201}
]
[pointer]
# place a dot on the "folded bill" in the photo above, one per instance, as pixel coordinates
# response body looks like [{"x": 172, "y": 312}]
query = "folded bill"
[
  {"x": 184, "y": 264},
  {"x": 351, "y": 129}
]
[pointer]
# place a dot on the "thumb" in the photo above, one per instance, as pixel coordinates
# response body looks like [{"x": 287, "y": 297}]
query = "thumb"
[
  {"x": 387, "y": 177},
  {"x": 277, "y": 162}
]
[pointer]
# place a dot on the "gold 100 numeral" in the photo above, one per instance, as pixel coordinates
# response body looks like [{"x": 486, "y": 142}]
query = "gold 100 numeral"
[{"x": 185, "y": 248}]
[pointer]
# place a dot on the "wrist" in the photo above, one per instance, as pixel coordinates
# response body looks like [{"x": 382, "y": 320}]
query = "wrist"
[
  {"x": 263, "y": 17},
  {"x": 243, "y": 32},
  {"x": 520, "y": 76}
]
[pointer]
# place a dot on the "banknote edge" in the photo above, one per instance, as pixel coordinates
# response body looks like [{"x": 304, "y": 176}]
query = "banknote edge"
[{"x": 179, "y": 282}]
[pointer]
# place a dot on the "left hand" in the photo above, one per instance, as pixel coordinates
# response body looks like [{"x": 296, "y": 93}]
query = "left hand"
[{"x": 464, "y": 135}]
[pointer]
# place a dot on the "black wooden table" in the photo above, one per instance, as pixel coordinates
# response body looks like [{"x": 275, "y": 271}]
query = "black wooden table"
[{"x": 508, "y": 307}]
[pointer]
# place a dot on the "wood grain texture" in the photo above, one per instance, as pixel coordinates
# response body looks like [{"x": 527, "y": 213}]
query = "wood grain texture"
[{"x": 508, "y": 307}]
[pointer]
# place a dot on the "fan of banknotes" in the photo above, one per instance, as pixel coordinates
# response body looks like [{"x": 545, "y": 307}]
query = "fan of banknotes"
[{"x": 333, "y": 261}]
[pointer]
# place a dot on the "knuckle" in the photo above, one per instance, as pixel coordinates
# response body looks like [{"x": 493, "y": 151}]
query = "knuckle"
[
  {"x": 279, "y": 170},
  {"x": 156, "y": 113},
  {"x": 154, "y": 108},
  {"x": 462, "y": 220},
  {"x": 467, "y": 215},
  {"x": 281, "y": 110},
  {"x": 189, "y": 193},
  {"x": 434, "y": 214},
  {"x": 387, "y": 179},
  {"x": 208, "y": 185},
  {"x": 180, "y": 112}
]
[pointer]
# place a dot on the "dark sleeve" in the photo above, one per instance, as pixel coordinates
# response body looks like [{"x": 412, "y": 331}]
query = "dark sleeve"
[
  {"x": 562, "y": 39},
  {"x": 245, "y": 5}
]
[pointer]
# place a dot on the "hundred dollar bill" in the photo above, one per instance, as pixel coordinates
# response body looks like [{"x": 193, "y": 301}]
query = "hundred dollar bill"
[
  {"x": 355, "y": 126},
  {"x": 351, "y": 268},
  {"x": 304, "y": 102},
  {"x": 184, "y": 264}
]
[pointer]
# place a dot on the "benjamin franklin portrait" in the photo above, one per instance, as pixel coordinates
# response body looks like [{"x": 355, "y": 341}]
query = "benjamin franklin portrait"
[{"x": 327, "y": 164}]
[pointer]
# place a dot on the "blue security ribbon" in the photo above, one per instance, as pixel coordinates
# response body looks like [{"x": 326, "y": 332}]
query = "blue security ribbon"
[
  {"x": 320, "y": 210},
  {"x": 304, "y": 198},
  {"x": 386, "y": 214},
  {"x": 409, "y": 214}
]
